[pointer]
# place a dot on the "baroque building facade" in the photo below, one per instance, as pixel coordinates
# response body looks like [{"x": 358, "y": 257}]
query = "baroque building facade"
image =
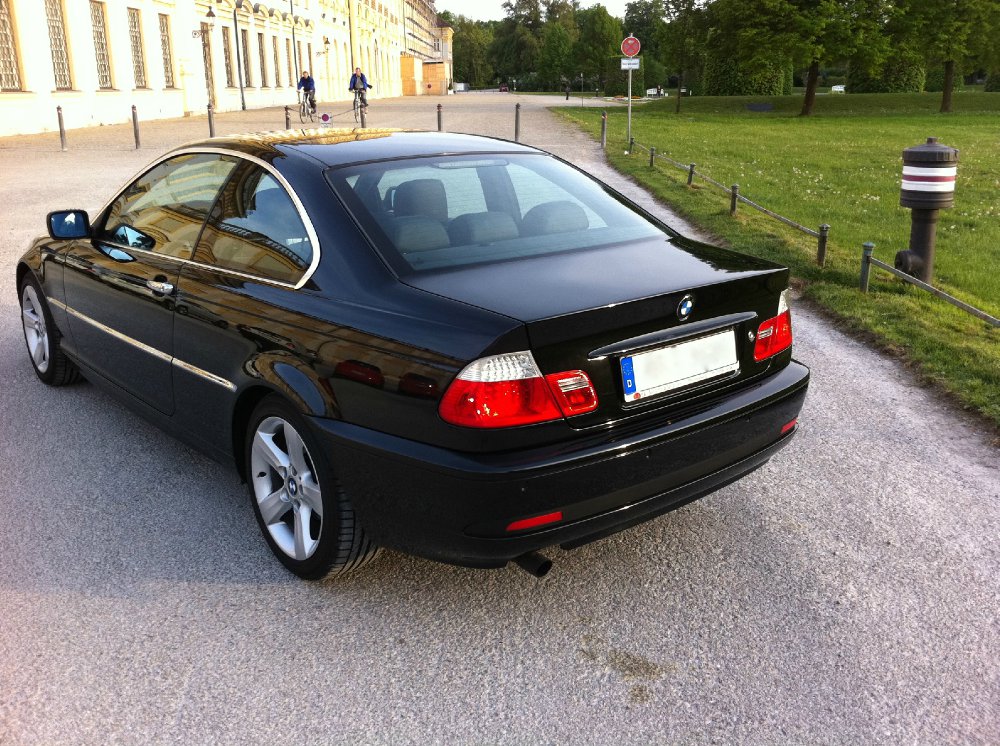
[{"x": 169, "y": 58}]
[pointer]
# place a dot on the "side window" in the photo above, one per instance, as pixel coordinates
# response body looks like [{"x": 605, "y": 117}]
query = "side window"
[
  {"x": 164, "y": 209},
  {"x": 256, "y": 229}
]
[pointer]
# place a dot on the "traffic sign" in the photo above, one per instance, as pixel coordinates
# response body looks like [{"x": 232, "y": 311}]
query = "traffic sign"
[
  {"x": 630, "y": 63},
  {"x": 630, "y": 46}
]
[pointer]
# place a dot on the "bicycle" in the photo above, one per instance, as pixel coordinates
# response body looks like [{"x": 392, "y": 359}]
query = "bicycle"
[
  {"x": 357, "y": 105},
  {"x": 307, "y": 109}
]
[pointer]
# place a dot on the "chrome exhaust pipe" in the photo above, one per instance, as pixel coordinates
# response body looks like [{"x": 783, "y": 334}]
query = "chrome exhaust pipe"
[{"x": 534, "y": 563}]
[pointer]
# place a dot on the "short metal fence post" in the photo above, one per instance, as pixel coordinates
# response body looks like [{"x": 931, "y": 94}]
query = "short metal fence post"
[
  {"x": 690, "y": 174},
  {"x": 824, "y": 234},
  {"x": 652, "y": 155},
  {"x": 62, "y": 127},
  {"x": 631, "y": 145},
  {"x": 517, "y": 122},
  {"x": 364, "y": 117},
  {"x": 440, "y": 118},
  {"x": 135, "y": 126},
  {"x": 211, "y": 120},
  {"x": 604, "y": 130},
  {"x": 288, "y": 118},
  {"x": 734, "y": 199},
  {"x": 866, "y": 264}
]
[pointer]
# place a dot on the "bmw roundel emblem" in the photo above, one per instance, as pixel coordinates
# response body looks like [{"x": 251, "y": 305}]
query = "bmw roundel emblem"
[{"x": 685, "y": 307}]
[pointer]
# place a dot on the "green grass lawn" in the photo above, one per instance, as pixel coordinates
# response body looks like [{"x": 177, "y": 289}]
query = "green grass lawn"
[{"x": 842, "y": 166}]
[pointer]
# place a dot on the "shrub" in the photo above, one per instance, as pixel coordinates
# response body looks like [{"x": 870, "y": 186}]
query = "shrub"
[
  {"x": 902, "y": 74},
  {"x": 993, "y": 81},
  {"x": 723, "y": 76},
  {"x": 935, "y": 79}
]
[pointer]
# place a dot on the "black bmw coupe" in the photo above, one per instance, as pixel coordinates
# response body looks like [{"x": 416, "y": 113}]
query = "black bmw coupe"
[{"x": 453, "y": 346}]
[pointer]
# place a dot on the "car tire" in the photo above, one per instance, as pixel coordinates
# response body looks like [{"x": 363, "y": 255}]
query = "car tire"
[
  {"x": 305, "y": 516},
  {"x": 42, "y": 337}
]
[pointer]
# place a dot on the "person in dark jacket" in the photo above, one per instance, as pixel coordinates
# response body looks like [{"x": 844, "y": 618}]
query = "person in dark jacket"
[
  {"x": 308, "y": 86},
  {"x": 359, "y": 84}
]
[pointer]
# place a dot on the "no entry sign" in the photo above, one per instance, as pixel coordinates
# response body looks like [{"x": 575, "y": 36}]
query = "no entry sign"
[{"x": 630, "y": 46}]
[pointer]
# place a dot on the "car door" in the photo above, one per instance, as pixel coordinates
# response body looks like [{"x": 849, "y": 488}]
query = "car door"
[{"x": 120, "y": 285}]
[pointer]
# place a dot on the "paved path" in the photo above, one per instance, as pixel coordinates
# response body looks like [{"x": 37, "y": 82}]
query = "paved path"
[{"x": 845, "y": 593}]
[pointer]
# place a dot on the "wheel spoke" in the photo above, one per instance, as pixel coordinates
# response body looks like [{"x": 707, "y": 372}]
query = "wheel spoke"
[
  {"x": 264, "y": 446},
  {"x": 310, "y": 494},
  {"x": 296, "y": 450},
  {"x": 38, "y": 352},
  {"x": 303, "y": 542},
  {"x": 272, "y": 507}
]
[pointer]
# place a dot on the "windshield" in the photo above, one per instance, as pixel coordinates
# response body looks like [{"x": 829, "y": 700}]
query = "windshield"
[{"x": 450, "y": 211}]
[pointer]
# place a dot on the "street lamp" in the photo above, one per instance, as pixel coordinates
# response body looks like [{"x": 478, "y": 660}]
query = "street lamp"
[{"x": 239, "y": 61}]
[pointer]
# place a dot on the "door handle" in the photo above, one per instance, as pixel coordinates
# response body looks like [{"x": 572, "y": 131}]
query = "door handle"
[{"x": 159, "y": 287}]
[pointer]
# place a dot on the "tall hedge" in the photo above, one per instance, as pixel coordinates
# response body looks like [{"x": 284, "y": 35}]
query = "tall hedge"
[
  {"x": 993, "y": 81},
  {"x": 904, "y": 73},
  {"x": 724, "y": 76},
  {"x": 616, "y": 79},
  {"x": 934, "y": 82}
]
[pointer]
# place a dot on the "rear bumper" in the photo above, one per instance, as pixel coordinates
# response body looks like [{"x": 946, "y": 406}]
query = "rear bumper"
[{"x": 455, "y": 507}]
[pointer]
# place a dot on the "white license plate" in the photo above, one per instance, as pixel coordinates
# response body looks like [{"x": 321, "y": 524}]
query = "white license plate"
[{"x": 679, "y": 365}]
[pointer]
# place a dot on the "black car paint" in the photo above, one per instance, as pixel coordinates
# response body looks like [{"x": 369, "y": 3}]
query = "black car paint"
[{"x": 420, "y": 484}]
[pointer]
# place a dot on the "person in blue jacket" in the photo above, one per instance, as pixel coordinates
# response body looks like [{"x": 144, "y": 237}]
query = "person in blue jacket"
[
  {"x": 359, "y": 84},
  {"x": 308, "y": 86}
]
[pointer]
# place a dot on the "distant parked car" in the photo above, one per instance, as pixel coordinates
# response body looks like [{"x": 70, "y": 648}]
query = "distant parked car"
[
  {"x": 453, "y": 346},
  {"x": 838, "y": 89},
  {"x": 503, "y": 88}
]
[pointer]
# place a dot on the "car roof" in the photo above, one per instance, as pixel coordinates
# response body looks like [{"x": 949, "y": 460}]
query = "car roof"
[{"x": 337, "y": 147}]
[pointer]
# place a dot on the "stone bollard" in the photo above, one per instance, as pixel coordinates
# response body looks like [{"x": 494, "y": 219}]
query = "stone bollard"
[
  {"x": 62, "y": 128},
  {"x": 135, "y": 126}
]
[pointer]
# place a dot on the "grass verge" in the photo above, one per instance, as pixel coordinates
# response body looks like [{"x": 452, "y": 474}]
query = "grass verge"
[{"x": 842, "y": 166}]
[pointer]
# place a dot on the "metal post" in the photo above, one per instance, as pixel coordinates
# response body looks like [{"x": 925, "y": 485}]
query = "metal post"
[
  {"x": 440, "y": 119},
  {"x": 604, "y": 130},
  {"x": 211, "y": 120},
  {"x": 629, "y": 133},
  {"x": 824, "y": 233},
  {"x": 364, "y": 117},
  {"x": 62, "y": 127},
  {"x": 690, "y": 174},
  {"x": 135, "y": 126},
  {"x": 288, "y": 118},
  {"x": 652, "y": 155},
  {"x": 631, "y": 145},
  {"x": 517, "y": 122},
  {"x": 734, "y": 199},
  {"x": 866, "y": 265}
]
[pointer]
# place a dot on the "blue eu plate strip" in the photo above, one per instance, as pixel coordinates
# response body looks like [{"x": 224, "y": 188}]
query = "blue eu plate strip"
[{"x": 628, "y": 376}]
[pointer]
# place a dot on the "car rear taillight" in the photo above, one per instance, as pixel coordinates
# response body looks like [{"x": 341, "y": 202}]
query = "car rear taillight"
[
  {"x": 509, "y": 390},
  {"x": 775, "y": 334}
]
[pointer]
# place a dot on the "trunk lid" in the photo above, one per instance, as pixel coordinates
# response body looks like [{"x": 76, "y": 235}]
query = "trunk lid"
[{"x": 589, "y": 309}]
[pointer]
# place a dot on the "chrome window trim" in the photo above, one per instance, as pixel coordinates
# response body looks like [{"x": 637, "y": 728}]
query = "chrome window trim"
[
  {"x": 303, "y": 216},
  {"x": 159, "y": 354}
]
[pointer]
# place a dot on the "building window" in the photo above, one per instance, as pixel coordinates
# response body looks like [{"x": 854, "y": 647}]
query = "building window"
[
  {"x": 135, "y": 37},
  {"x": 309, "y": 54},
  {"x": 288, "y": 58},
  {"x": 57, "y": 43},
  {"x": 299, "y": 57},
  {"x": 100, "y": 45},
  {"x": 245, "y": 37},
  {"x": 168, "y": 61},
  {"x": 10, "y": 75},
  {"x": 277, "y": 66},
  {"x": 263, "y": 60},
  {"x": 227, "y": 55}
]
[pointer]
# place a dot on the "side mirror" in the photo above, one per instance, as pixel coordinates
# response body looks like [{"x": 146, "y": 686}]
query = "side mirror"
[{"x": 68, "y": 224}]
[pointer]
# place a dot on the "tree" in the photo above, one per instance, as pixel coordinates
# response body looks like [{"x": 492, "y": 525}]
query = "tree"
[
  {"x": 684, "y": 39},
  {"x": 948, "y": 32},
  {"x": 556, "y": 55},
  {"x": 514, "y": 50},
  {"x": 600, "y": 38},
  {"x": 470, "y": 49},
  {"x": 646, "y": 20}
]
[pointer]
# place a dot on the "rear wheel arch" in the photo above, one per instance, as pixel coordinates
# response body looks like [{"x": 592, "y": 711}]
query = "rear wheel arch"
[{"x": 247, "y": 402}]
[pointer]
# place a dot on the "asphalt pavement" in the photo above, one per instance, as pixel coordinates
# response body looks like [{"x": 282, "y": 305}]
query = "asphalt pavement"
[{"x": 847, "y": 592}]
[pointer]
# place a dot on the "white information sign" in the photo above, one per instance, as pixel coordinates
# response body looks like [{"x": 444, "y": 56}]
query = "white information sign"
[{"x": 630, "y": 63}]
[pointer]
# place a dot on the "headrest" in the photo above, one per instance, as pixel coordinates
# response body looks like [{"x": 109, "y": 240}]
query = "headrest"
[
  {"x": 424, "y": 197},
  {"x": 481, "y": 227},
  {"x": 554, "y": 217}
]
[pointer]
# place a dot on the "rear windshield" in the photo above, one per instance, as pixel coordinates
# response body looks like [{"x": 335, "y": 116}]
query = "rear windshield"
[{"x": 449, "y": 211}]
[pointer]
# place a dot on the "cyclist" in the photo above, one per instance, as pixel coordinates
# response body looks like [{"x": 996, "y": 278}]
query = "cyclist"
[
  {"x": 359, "y": 85},
  {"x": 308, "y": 86}
]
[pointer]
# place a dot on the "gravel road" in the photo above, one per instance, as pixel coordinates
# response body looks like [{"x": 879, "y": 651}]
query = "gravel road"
[{"x": 847, "y": 592}]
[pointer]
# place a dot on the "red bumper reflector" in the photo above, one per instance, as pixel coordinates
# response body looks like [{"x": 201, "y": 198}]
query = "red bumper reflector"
[
  {"x": 538, "y": 520},
  {"x": 789, "y": 425}
]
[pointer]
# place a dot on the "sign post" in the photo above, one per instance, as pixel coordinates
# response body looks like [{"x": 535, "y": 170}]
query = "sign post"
[{"x": 630, "y": 48}]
